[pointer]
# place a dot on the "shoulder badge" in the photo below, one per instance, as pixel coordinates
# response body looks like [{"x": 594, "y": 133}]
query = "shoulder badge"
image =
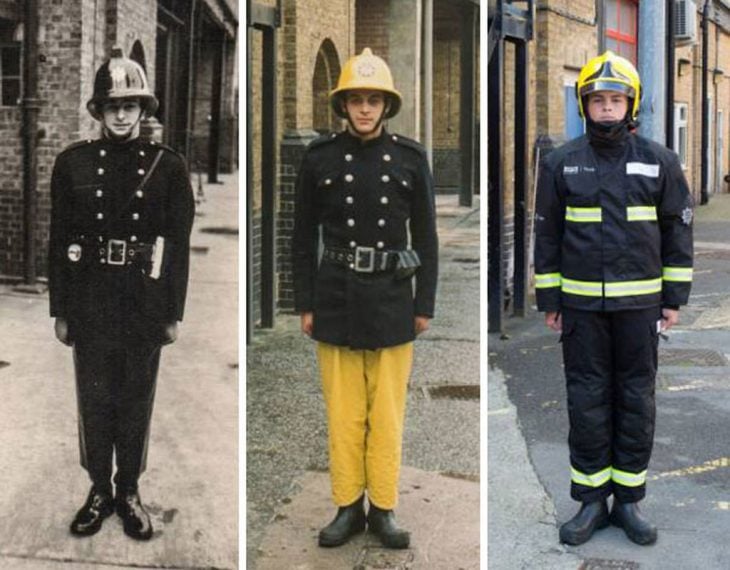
[
  {"x": 77, "y": 144},
  {"x": 687, "y": 215}
]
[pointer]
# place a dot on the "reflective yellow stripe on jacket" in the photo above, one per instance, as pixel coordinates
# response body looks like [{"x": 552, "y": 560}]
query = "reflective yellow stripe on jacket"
[
  {"x": 641, "y": 213},
  {"x": 627, "y": 288},
  {"x": 584, "y": 288},
  {"x": 677, "y": 274},
  {"x": 573, "y": 214},
  {"x": 547, "y": 280},
  {"x": 594, "y": 480}
]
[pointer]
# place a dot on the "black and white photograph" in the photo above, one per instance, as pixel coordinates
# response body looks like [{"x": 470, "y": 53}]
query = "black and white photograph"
[{"x": 119, "y": 284}]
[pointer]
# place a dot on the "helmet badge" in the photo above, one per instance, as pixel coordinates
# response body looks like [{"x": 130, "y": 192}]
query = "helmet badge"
[{"x": 366, "y": 69}]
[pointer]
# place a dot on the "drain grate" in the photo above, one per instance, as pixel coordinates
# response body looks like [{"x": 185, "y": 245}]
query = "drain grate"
[
  {"x": 222, "y": 230},
  {"x": 599, "y": 564},
  {"x": 466, "y": 259},
  {"x": 372, "y": 558},
  {"x": 454, "y": 392},
  {"x": 691, "y": 357}
]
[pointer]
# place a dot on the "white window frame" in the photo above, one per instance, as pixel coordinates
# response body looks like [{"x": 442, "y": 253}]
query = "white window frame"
[{"x": 679, "y": 126}]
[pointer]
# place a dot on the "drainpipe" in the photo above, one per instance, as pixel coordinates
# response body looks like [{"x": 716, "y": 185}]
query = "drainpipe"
[
  {"x": 704, "y": 194},
  {"x": 31, "y": 106},
  {"x": 670, "y": 76},
  {"x": 191, "y": 87},
  {"x": 428, "y": 79}
]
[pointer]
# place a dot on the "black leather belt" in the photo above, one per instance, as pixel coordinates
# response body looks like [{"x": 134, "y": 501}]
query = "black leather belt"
[
  {"x": 361, "y": 259},
  {"x": 122, "y": 252}
]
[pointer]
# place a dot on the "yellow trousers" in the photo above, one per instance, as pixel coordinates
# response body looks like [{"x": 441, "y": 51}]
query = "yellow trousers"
[{"x": 365, "y": 394}]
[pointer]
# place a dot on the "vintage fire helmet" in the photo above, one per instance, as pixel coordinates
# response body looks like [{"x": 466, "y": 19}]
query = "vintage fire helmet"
[
  {"x": 366, "y": 71},
  {"x": 609, "y": 72},
  {"x": 121, "y": 78}
]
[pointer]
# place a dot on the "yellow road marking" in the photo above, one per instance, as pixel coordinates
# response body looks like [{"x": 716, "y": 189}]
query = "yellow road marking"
[{"x": 711, "y": 465}]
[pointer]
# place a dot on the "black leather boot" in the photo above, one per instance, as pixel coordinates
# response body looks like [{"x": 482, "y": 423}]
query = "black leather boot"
[
  {"x": 349, "y": 521},
  {"x": 382, "y": 524},
  {"x": 98, "y": 506},
  {"x": 137, "y": 523},
  {"x": 591, "y": 517},
  {"x": 628, "y": 517}
]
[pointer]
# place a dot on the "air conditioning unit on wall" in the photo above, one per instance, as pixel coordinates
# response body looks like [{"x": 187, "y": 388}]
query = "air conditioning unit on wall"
[{"x": 685, "y": 21}]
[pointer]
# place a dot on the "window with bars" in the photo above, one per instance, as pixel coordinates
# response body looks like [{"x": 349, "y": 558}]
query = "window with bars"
[{"x": 620, "y": 27}]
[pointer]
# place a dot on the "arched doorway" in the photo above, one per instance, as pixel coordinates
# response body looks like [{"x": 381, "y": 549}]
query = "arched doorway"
[{"x": 326, "y": 72}]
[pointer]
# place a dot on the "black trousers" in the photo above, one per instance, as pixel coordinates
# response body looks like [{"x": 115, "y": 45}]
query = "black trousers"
[
  {"x": 115, "y": 387},
  {"x": 610, "y": 368}
]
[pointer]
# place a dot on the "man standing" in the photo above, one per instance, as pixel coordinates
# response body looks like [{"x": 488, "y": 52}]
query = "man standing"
[
  {"x": 122, "y": 212},
  {"x": 367, "y": 190},
  {"x": 613, "y": 263}
]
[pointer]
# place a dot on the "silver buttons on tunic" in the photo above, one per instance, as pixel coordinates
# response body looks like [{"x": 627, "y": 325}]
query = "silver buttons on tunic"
[
  {"x": 100, "y": 171},
  {"x": 349, "y": 199},
  {"x": 141, "y": 153},
  {"x": 395, "y": 138},
  {"x": 350, "y": 222},
  {"x": 380, "y": 245},
  {"x": 99, "y": 193},
  {"x": 102, "y": 152},
  {"x": 99, "y": 216},
  {"x": 405, "y": 183},
  {"x": 135, "y": 216},
  {"x": 349, "y": 178},
  {"x": 353, "y": 244},
  {"x": 140, "y": 171},
  {"x": 385, "y": 178},
  {"x": 381, "y": 222},
  {"x": 386, "y": 157},
  {"x": 384, "y": 200},
  {"x": 327, "y": 181},
  {"x": 139, "y": 193},
  {"x": 132, "y": 238},
  {"x": 348, "y": 157}
]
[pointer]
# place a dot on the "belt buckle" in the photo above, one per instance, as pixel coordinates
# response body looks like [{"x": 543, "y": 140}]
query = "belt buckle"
[
  {"x": 364, "y": 259},
  {"x": 116, "y": 252}
]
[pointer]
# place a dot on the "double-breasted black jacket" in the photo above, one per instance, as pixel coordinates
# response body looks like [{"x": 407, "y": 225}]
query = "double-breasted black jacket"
[
  {"x": 119, "y": 250},
  {"x": 364, "y": 194}
]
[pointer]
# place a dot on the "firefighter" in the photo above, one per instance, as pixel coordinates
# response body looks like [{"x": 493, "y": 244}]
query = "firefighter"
[
  {"x": 613, "y": 263},
  {"x": 121, "y": 215},
  {"x": 367, "y": 190}
]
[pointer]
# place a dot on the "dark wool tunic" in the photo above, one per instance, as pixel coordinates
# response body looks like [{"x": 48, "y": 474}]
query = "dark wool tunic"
[{"x": 375, "y": 194}]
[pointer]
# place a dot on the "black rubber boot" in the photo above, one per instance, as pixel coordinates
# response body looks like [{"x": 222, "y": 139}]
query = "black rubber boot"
[
  {"x": 349, "y": 521},
  {"x": 591, "y": 517},
  {"x": 135, "y": 519},
  {"x": 382, "y": 524},
  {"x": 628, "y": 517}
]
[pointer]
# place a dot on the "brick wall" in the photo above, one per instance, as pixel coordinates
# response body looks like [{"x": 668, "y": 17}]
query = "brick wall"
[{"x": 370, "y": 26}]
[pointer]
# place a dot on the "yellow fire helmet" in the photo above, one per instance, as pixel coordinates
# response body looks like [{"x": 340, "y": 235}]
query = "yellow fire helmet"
[
  {"x": 609, "y": 72},
  {"x": 365, "y": 71}
]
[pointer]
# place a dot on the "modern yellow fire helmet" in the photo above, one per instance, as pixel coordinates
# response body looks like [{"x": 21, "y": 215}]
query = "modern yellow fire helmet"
[
  {"x": 609, "y": 72},
  {"x": 121, "y": 78},
  {"x": 365, "y": 71}
]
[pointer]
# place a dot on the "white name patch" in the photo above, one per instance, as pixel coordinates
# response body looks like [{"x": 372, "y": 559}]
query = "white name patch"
[
  {"x": 642, "y": 168},
  {"x": 570, "y": 170}
]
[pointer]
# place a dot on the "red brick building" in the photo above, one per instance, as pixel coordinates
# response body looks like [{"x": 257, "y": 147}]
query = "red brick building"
[{"x": 188, "y": 48}]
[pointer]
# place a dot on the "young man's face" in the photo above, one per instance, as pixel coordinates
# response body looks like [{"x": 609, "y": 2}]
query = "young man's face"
[
  {"x": 120, "y": 117},
  {"x": 607, "y": 106},
  {"x": 365, "y": 108}
]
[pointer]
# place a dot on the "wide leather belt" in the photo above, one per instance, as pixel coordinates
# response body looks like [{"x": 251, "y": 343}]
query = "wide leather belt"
[
  {"x": 361, "y": 259},
  {"x": 113, "y": 252}
]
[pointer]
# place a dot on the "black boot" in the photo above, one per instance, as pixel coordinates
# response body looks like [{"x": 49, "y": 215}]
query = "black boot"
[
  {"x": 349, "y": 521},
  {"x": 591, "y": 517},
  {"x": 382, "y": 524},
  {"x": 137, "y": 523},
  {"x": 628, "y": 517},
  {"x": 98, "y": 506}
]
